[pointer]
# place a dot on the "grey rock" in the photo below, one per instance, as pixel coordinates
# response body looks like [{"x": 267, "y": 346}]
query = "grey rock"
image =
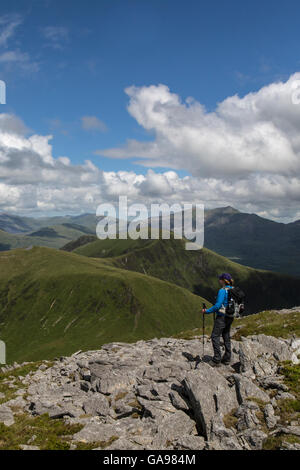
[
  {"x": 295, "y": 347},
  {"x": 27, "y": 447},
  {"x": 294, "y": 430},
  {"x": 273, "y": 382},
  {"x": 122, "y": 408},
  {"x": 288, "y": 446},
  {"x": 177, "y": 401},
  {"x": 246, "y": 414},
  {"x": 189, "y": 443},
  {"x": 157, "y": 409},
  {"x": 142, "y": 440},
  {"x": 226, "y": 437},
  {"x": 32, "y": 439},
  {"x": 246, "y": 389},
  {"x": 284, "y": 396},
  {"x": 255, "y": 438},
  {"x": 270, "y": 416},
  {"x": 111, "y": 383},
  {"x": 149, "y": 395},
  {"x": 208, "y": 392},
  {"x": 97, "y": 432},
  {"x": 172, "y": 427},
  {"x": 263, "y": 367},
  {"x": 96, "y": 405},
  {"x": 85, "y": 386},
  {"x": 17, "y": 402},
  {"x": 46, "y": 407},
  {"x": 6, "y": 415},
  {"x": 278, "y": 347},
  {"x": 123, "y": 444}
]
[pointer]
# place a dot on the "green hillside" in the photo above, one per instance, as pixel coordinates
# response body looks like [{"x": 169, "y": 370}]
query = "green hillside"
[
  {"x": 20, "y": 224},
  {"x": 197, "y": 270},
  {"x": 52, "y": 236},
  {"x": 245, "y": 238},
  {"x": 9, "y": 241},
  {"x": 110, "y": 248},
  {"x": 54, "y": 303},
  {"x": 83, "y": 240}
]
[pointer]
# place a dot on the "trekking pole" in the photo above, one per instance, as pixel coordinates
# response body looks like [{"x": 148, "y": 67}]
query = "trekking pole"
[{"x": 203, "y": 326}]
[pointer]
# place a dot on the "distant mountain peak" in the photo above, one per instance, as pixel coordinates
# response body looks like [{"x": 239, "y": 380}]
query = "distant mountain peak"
[{"x": 229, "y": 210}]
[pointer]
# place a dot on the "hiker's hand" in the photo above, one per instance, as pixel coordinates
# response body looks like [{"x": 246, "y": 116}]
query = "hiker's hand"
[{"x": 204, "y": 310}]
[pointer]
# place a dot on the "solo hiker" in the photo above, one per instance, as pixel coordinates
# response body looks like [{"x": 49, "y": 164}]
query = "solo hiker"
[{"x": 229, "y": 304}]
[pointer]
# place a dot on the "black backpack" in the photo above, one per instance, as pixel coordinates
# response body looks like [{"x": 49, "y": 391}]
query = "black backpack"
[{"x": 236, "y": 301}]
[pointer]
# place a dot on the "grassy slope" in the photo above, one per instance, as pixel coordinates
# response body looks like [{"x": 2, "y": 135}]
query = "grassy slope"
[
  {"x": 52, "y": 236},
  {"x": 111, "y": 248},
  {"x": 16, "y": 224},
  {"x": 268, "y": 323},
  {"x": 83, "y": 240},
  {"x": 9, "y": 241},
  {"x": 54, "y": 303},
  {"x": 197, "y": 270}
]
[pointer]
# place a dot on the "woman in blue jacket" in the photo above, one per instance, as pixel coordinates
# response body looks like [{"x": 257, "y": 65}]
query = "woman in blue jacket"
[{"x": 222, "y": 322}]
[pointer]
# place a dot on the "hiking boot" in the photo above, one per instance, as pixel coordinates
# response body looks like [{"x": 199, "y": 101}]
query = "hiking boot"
[
  {"x": 226, "y": 362},
  {"x": 213, "y": 363}
]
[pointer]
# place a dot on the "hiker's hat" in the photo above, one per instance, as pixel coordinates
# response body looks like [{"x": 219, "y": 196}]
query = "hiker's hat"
[{"x": 225, "y": 277}]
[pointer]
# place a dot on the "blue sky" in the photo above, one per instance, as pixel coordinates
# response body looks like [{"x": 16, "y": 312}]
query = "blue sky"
[
  {"x": 74, "y": 60},
  {"x": 208, "y": 50}
]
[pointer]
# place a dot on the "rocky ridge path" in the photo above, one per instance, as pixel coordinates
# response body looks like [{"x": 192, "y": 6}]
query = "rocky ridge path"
[{"x": 162, "y": 394}]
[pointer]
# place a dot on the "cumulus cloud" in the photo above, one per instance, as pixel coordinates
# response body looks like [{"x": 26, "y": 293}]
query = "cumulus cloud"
[
  {"x": 246, "y": 152},
  {"x": 92, "y": 123},
  {"x": 256, "y": 133},
  {"x": 32, "y": 179}
]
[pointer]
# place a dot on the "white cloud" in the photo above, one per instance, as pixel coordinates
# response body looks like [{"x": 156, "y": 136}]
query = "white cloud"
[
  {"x": 13, "y": 57},
  {"x": 92, "y": 123},
  {"x": 33, "y": 181},
  {"x": 246, "y": 153},
  {"x": 11, "y": 124},
  {"x": 8, "y": 25},
  {"x": 257, "y": 133},
  {"x": 56, "y": 36}
]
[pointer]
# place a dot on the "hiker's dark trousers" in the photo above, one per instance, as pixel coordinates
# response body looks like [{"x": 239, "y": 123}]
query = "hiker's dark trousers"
[{"x": 221, "y": 328}]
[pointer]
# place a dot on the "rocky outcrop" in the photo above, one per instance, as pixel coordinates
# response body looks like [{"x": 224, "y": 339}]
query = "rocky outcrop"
[{"x": 160, "y": 394}]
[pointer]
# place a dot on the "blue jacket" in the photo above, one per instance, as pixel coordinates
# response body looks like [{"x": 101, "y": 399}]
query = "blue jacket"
[{"x": 222, "y": 299}]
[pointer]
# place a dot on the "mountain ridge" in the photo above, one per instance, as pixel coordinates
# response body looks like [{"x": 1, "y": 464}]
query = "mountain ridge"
[
  {"x": 196, "y": 270},
  {"x": 248, "y": 238}
]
